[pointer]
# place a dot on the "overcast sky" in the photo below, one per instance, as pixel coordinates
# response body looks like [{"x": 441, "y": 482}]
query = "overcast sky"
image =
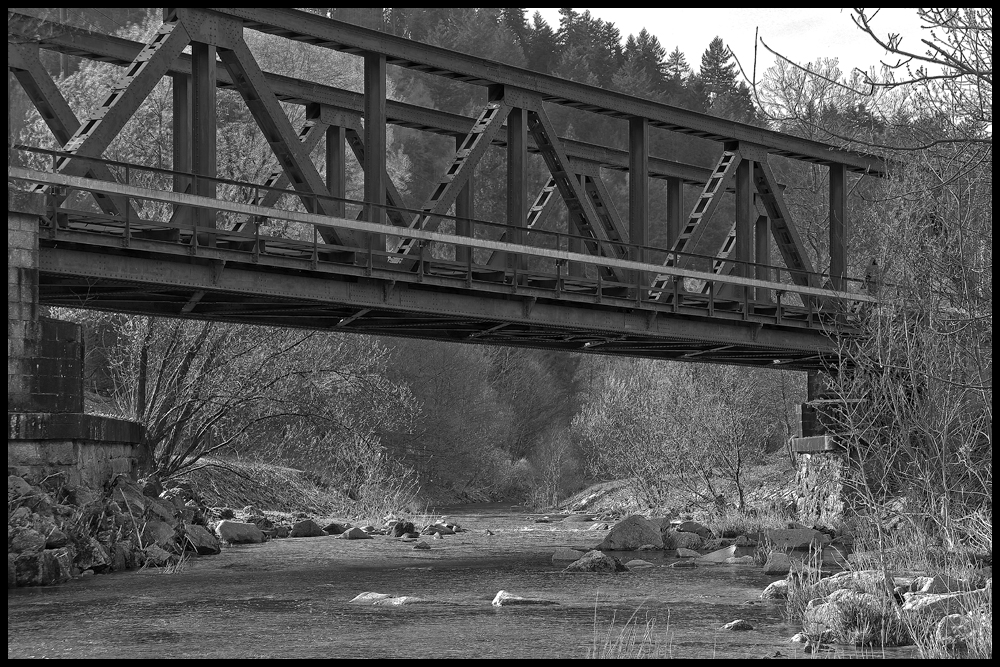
[{"x": 801, "y": 35}]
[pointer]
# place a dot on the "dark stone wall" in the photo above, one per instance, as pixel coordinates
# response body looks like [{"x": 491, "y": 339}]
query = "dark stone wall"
[{"x": 57, "y": 384}]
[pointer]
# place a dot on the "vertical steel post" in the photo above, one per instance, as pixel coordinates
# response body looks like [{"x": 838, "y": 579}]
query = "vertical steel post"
[
  {"x": 744, "y": 223},
  {"x": 336, "y": 168},
  {"x": 182, "y": 130},
  {"x": 675, "y": 202},
  {"x": 374, "y": 166},
  {"x": 838, "y": 225},
  {"x": 575, "y": 244},
  {"x": 517, "y": 178},
  {"x": 638, "y": 192},
  {"x": 203, "y": 136},
  {"x": 762, "y": 255},
  {"x": 464, "y": 212}
]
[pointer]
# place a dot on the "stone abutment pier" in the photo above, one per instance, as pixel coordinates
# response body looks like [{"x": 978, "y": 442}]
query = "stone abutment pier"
[{"x": 48, "y": 431}]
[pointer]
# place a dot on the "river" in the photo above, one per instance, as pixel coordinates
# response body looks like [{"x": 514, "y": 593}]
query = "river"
[{"x": 290, "y": 598}]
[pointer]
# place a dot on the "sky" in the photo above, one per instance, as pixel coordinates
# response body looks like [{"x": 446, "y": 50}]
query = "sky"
[{"x": 801, "y": 35}]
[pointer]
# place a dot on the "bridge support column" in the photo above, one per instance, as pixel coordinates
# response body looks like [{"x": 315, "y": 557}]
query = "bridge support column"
[
  {"x": 47, "y": 430},
  {"x": 823, "y": 495}
]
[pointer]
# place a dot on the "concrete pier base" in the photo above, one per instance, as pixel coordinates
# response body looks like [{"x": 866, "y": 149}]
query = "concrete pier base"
[{"x": 48, "y": 432}]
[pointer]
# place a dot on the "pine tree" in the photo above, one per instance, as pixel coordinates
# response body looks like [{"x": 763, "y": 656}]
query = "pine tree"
[
  {"x": 632, "y": 79},
  {"x": 717, "y": 73},
  {"x": 542, "y": 51},
  {"x": 650, "y": 54},
  {"x": 513, "y": 19},
  {"x": 676, "y": 66}
]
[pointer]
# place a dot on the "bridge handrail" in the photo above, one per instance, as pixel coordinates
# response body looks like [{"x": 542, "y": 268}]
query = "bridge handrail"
[
  {"x": 645, "y": 250},
  {"x": 321, "y": 221}
]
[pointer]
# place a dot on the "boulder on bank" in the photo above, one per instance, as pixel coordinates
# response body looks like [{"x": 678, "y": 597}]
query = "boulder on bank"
[
  {"x": 939, "y": 583},
  {"x": 777, "y": 563},
  {"x": 336, "y": 528},
  {"x": 675, "y": 540},
  {"x": 306, "y": 528},
  {"x": 596, "y": 561},
  {"x": 935, "y": 606},
  {"x": 235, "y": 532},
  {"x": 56, "y": 530},
  {"x": 199, "y": 540},
  {"x": 402, "y": 528},
  {"x": 632, "y": 533},
  {"x": 355, "y": 534},
  {"x": 796, "y": 538},
  {"x": 701, "y": 530},
  {"x": 159, "y": 533},
  {"x": 857, "y": 618},
  {"x": 776, "y": 590}
]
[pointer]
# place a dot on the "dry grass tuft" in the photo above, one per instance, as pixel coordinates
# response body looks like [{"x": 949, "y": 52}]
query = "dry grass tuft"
[{"x": 637, "y": 639}]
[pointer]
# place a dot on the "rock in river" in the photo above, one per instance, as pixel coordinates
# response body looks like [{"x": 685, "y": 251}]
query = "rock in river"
[
  {"x": 505, "y": 599},
  {"x": 595, "y": 561},
  {"x": 632, "y": 533}
]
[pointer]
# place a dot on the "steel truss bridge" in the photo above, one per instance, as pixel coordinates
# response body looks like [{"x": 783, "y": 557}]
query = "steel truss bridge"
[{"x": 185, "y": 243}]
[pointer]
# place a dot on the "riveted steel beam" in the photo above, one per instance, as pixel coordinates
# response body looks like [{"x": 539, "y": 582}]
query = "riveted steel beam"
[
  {"x": 329, "y": 33},
  {"x": 465, "y": 212},
  {"x": 24, "y": 63},
  {"x": 278, "y": 132},
  {"x": 84, "y": 43},
  {"x": 638, "y": 189},
  {"x": 468, "y": 155},
  {"x": 537, "y": 213},
  {"x": 675, "y": 203},
  {"x": 792, "y": 250},
  {"x": 517, "y": 179},
  {"x": 374, "y": 159},
  {"x": 581, "y": 210},
  {"x": 124, "y": 97}
]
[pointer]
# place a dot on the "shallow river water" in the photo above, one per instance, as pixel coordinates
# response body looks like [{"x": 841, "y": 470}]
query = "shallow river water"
[{"x": 291, "y": 598}]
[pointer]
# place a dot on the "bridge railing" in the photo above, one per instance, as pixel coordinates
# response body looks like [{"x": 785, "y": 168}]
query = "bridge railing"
[{"x": 148, "y": 209}]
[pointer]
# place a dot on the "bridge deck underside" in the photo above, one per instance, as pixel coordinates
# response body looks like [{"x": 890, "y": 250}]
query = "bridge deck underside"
[{"x": 281, "y": 282}]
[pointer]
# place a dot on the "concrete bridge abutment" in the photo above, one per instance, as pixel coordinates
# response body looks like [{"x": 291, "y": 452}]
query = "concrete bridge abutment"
[{"x": 48, "y": 431}]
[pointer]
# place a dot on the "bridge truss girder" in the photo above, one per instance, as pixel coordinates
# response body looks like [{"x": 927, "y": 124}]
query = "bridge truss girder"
[{"x": 574, "y": 167}]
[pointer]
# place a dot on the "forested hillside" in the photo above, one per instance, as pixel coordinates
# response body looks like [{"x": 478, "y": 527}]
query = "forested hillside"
[{"x": 369, "y": 415}]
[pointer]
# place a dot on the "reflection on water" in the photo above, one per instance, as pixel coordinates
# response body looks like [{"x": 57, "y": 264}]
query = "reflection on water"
[{"x": 290, "y": 598}]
